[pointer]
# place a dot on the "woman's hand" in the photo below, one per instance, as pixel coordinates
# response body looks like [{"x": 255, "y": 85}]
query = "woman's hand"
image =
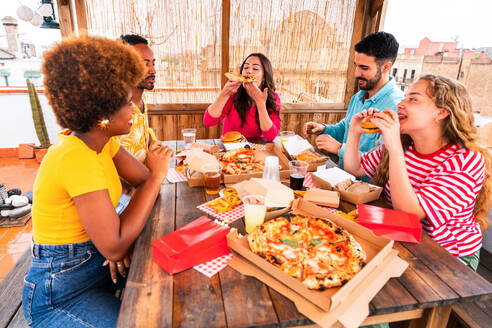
[
  {"x": 256, "y": 94},
  {"x": 355, "y": 123},
  {"x": 229, "y": 88},
  {"x": 157, "y": 160},
  {"x": 390, "y": 129},
  {"x": 121, "y": 266}
]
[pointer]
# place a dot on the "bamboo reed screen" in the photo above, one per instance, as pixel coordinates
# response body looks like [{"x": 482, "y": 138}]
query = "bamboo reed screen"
[{"x": 307, "y": 42}]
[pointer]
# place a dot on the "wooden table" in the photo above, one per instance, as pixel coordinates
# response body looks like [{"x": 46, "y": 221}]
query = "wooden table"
[{"x": 433, "y": 282}]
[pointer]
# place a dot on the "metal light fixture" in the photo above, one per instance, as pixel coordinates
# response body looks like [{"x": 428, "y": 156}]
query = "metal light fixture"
[{"x": 50, "y": 20}]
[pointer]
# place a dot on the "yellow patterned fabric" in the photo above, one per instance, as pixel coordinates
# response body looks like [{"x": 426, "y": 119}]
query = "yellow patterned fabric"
[{"x": 137, "y": 141}]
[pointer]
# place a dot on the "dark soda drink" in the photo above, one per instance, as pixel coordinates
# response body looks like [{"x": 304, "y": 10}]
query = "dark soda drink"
[{"x": 296, "y": 181}]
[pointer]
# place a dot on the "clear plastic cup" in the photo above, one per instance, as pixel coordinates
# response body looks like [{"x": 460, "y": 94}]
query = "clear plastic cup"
[
  {"x": 285, "y": 136},
  {"x": 189, "y": 136},
  {"x": 254, "y": 211},
  {"x": 271, "y": 170},
  {"x": 211, "y": 176},
  {"x": 298, "y": 170}
]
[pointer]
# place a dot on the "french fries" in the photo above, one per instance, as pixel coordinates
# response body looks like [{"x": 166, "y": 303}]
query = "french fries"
[
  {"x": 299, "y": 194},
  {"x": 226, "y": 203}
]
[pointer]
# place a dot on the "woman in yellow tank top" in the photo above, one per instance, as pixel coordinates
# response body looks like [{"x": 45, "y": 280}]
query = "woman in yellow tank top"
[{"x": 75, "y": 225}]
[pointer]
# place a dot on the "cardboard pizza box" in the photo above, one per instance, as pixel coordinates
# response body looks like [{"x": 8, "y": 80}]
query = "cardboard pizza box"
[
  {"x": 270, "y": 150},
  {"x": 352, "y": 197},
  {"x": 298, "y": 145},
  {"x": 196, "y": 158},
  {"x": 330, "y": 304},
  {"x": 322, "y": 197}
]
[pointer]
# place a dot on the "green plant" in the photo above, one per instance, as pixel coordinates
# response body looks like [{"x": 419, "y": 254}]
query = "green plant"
[{"x": 37, "y": 116}]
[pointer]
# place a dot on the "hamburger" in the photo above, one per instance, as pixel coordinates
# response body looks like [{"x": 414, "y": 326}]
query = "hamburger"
[
  {"x": 235, "y": 77},
  {"x": 368, "y": 126},
  {"x": 232, "y": 136}
]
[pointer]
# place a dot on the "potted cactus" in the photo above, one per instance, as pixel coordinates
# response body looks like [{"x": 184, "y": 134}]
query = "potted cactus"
[{"x": 39, "y": 124}]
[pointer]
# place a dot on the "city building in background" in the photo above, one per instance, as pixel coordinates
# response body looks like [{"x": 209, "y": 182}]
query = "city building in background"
[{"x": 472, "y": 67}]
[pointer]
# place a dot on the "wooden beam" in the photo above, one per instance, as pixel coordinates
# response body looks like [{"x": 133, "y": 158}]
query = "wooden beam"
[
  {"x": 376, "y": 6},
  {"x": 80, "y": 12},
  {"x": 382, "y": 16},
  {"x": 357, "y": 34},
  {"x": 224, "y": 46},
  {"x": 65, "y": 18}
]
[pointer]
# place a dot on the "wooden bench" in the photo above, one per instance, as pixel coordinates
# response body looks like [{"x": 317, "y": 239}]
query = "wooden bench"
[
  {"x": 476, "y": 314},
  {"x": 11, "y": 314}
]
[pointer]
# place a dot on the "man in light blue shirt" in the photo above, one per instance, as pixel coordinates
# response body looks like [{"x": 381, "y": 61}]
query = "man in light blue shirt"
[{"x": 374, "y": 57}]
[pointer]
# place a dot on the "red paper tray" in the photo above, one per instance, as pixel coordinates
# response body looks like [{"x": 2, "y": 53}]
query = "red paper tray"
[{"x": 396, "y": 225}]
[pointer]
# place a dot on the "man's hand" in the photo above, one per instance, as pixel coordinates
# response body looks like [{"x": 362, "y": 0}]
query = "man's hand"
[
  {"x": 312, "y": 128},
  {"x": 328, "y": 143},
  {"x": 119, "y": 266}
]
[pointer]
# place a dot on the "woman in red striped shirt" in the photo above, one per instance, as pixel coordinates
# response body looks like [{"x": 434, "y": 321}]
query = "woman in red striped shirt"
[{"x": 431, "y": 163}]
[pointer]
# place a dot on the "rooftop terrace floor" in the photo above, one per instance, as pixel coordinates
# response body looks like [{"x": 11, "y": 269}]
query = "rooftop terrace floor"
[{"x": 15, "y": 173}]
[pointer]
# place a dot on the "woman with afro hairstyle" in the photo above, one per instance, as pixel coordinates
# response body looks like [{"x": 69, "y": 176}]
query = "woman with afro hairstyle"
[
  {"x": 75, "y": 226},
  {"x": 431, "y": 163},
  {"x": 251, "y": 108}
]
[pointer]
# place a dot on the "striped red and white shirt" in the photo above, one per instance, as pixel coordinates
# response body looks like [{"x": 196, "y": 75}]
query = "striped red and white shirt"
[{"x": 447, "y": 183}]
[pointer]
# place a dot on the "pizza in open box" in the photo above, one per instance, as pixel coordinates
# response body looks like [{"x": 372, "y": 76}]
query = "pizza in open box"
[
  {"x": 241, "y": 160},
  {"x": 314, "y": 250}
]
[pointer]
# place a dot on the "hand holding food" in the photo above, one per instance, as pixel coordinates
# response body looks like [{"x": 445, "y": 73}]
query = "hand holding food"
[
  {"x": 312, "y": 128},
  {"x": 368, "y": 126}
]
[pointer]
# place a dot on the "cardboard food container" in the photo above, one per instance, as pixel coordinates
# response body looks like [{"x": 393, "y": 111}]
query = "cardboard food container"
[
  {"x": 196, "y": 158},
  {"x": 278, "y": 197},
  {"x": 196, "y": 242},
  {"x": 393, "y": 224},
  {"x": 347, "y": 305},
  {"x": 270, "y": 150},
  {"x": 352, "y": 197},
  {"x": 298, "y": 145},
  {"x": 322, "y": 197}
]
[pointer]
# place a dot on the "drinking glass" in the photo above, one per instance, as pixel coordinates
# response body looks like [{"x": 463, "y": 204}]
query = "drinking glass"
[
  {"x": 285, "y": 136},
  {"x": 211, "y": 176},
  {"x": 298, "y": 170},
  {"x": 254, "y": 211},
  {"x": 188, "y": 137}
]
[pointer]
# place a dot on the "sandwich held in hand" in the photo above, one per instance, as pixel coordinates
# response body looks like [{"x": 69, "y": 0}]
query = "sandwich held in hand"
[
  {"x": 316, "y": 251},
  {"x": 368, "y": 126},
  {"x": 235, "y": 77}
]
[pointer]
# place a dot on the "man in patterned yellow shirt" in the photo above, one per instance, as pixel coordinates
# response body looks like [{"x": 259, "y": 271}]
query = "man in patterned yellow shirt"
[{"x": 138, "y": 140}]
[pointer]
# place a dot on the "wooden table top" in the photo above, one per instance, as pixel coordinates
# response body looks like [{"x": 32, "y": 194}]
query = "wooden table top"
[{"x": 153, "y": 298}]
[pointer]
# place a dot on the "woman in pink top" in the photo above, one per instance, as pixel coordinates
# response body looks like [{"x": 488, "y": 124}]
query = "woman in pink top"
[{"x": 244, "y": 107}]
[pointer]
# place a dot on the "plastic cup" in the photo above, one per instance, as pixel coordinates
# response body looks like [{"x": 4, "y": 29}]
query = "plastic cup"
[
  {"x": 189, "y": 136},
  {"x": 285, "y": 136},
  {"x": 271, "y": 170},
  {"x": 298, "y": 170},
  {"x": 211, "y": 176},
  {"x": 254, "y": 211}
]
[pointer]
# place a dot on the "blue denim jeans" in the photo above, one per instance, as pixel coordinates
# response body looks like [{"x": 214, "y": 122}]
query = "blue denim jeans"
[
  {"x": 122, "y": 203},
  {"x": 67, "y": 286}
]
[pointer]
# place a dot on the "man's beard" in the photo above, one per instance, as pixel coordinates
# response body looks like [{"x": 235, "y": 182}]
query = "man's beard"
[
  {"x": 145, "y": 84},
  {"x": 370, "y": 84}
]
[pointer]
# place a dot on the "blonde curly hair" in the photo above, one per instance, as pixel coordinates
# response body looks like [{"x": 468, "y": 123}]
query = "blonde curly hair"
[{"x": 459, "y": 127}]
